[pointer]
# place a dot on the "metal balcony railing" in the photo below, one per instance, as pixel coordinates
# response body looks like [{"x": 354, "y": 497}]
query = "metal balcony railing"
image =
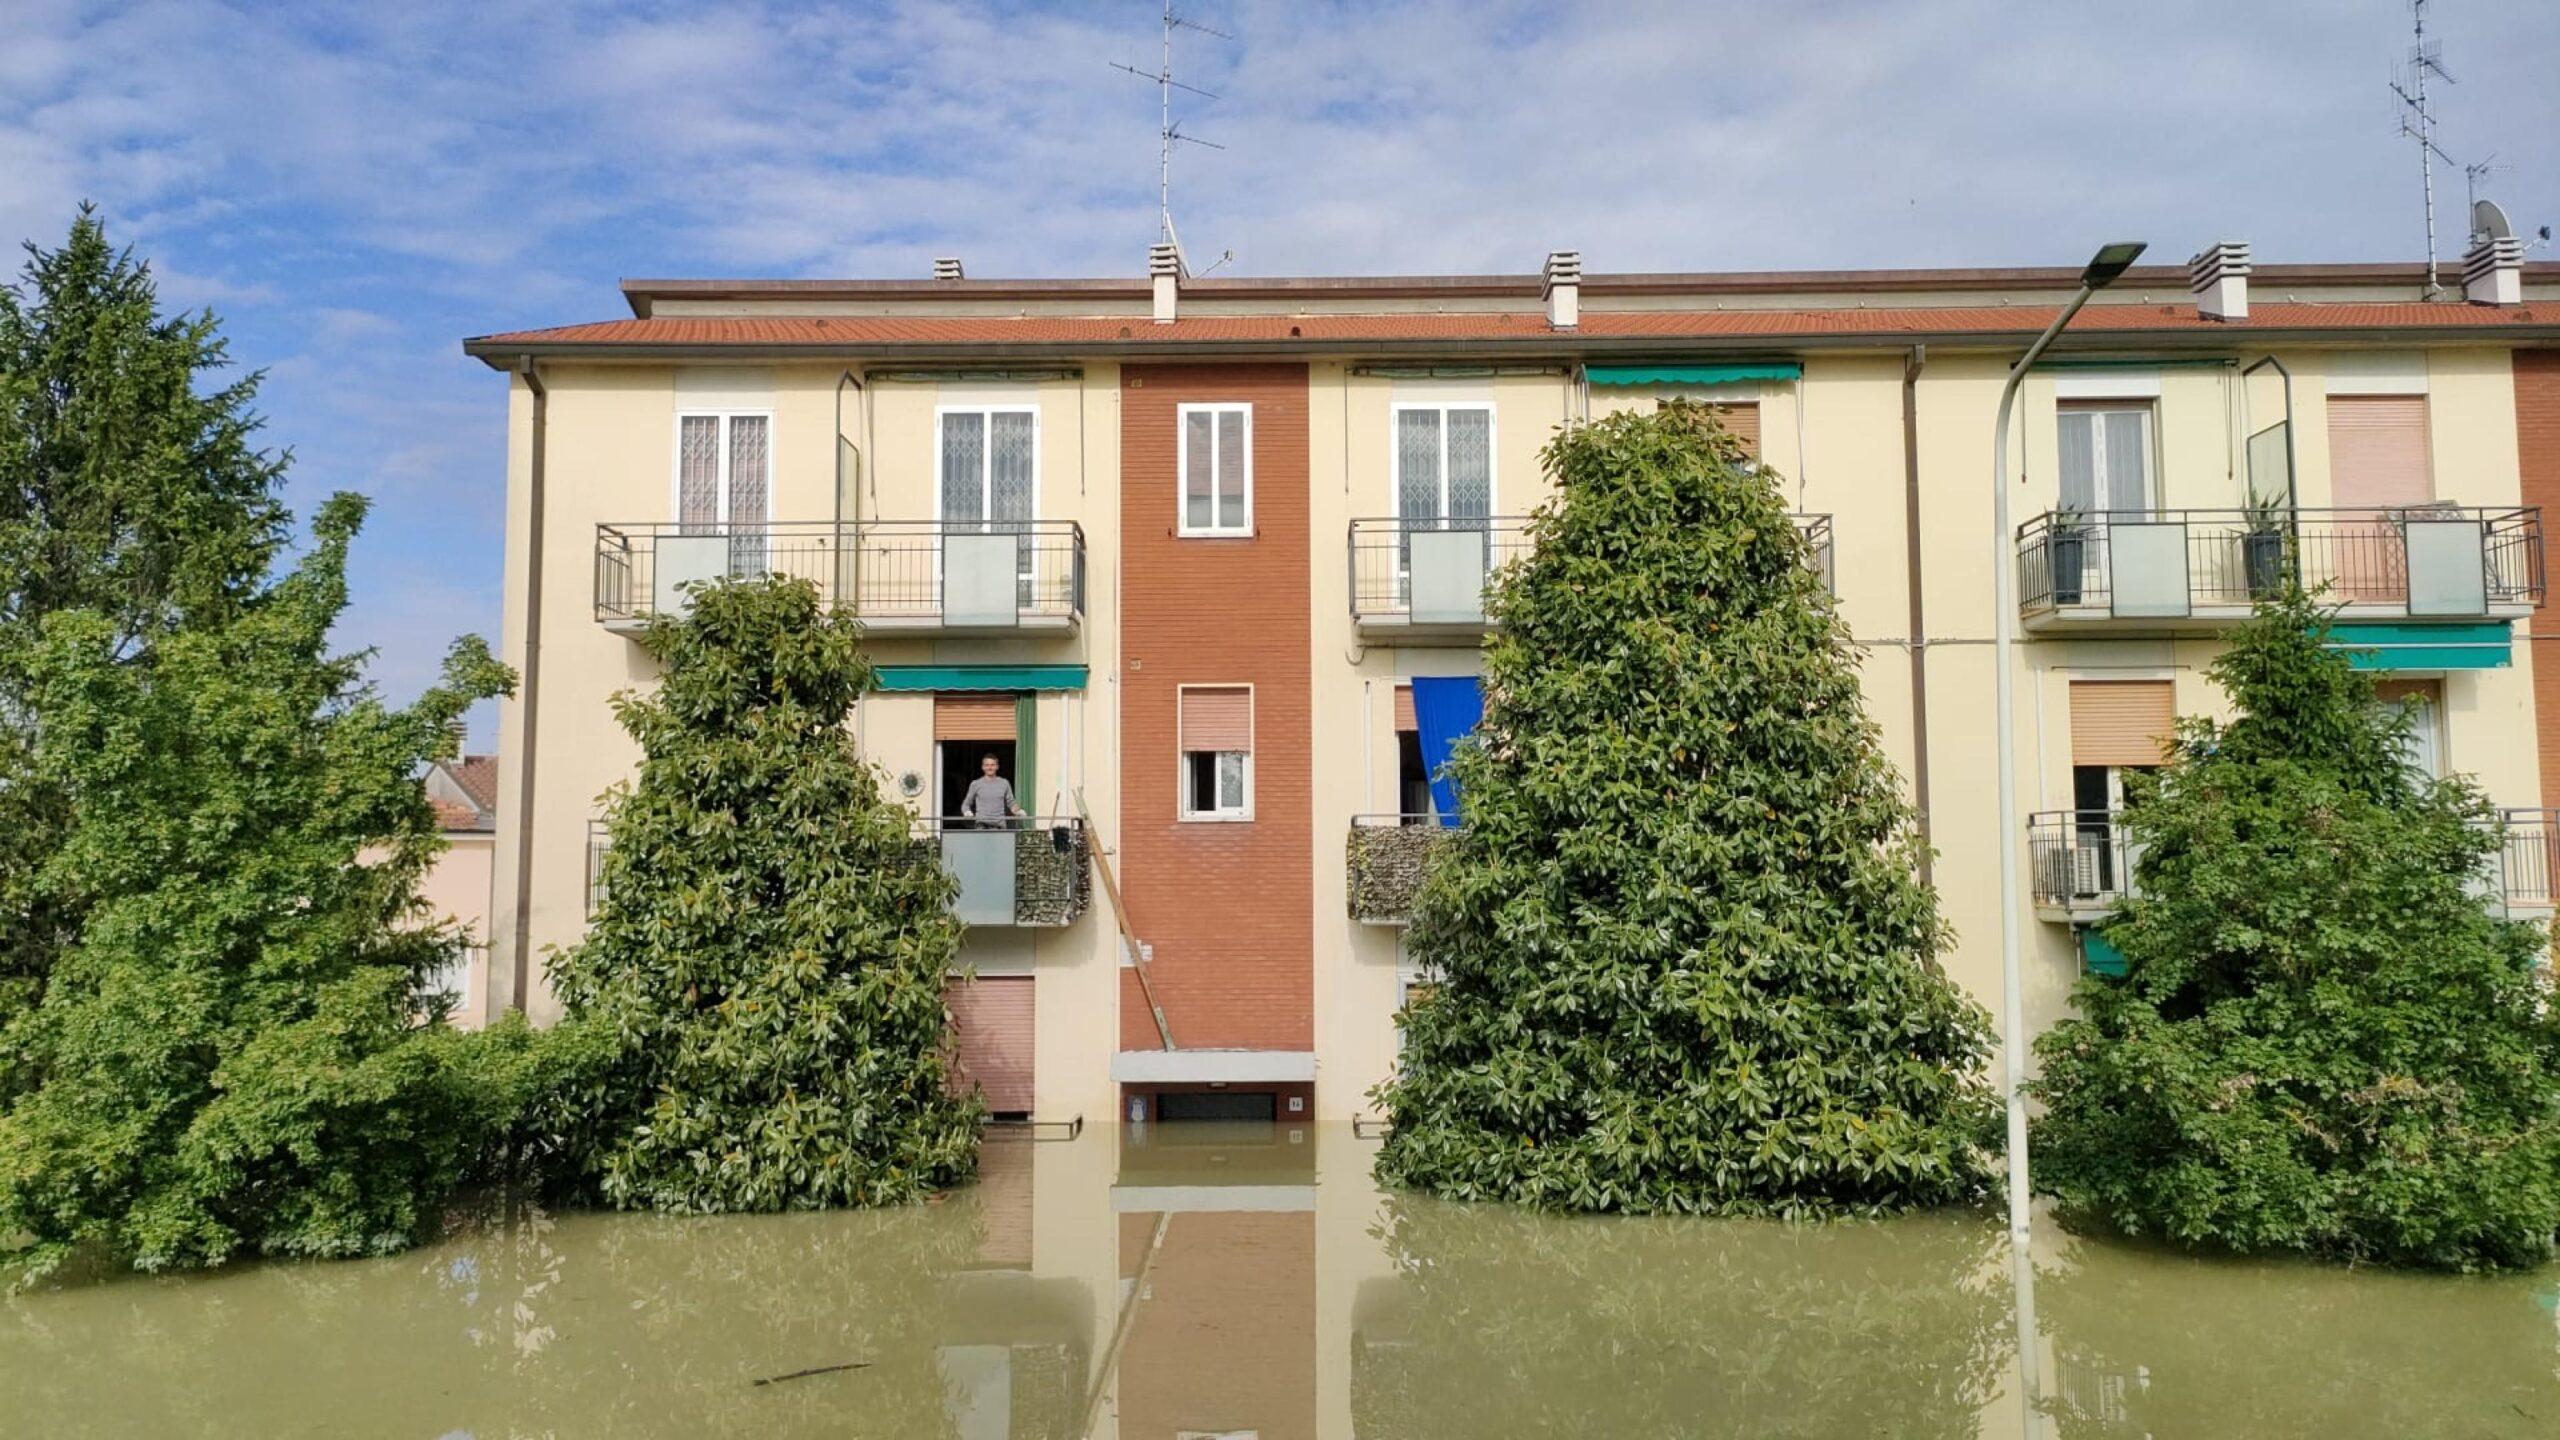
[
  {"x": 2529, "y": 858},
  {"x": 899, "y": 574},
  {"x": 1025, "y": 871},
  {"x": 1385, "y": 857},
  {"x": 2079, "y": 859},
  {"x": 2422, "y": 561},
  {"x": 1434, "y": 572},
  {"x": 1032, "y": 870}
]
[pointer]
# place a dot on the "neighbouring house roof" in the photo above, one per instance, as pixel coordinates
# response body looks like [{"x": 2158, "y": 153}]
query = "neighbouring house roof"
[
  {"x": 1609, "y": 332},
  {"x": 464, "y": 793}
]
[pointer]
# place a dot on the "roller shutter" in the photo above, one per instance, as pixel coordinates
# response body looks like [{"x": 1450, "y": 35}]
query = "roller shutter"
[
  {"x": 973, "y": 717},
  {"x": 1217, "y": 717},
  {"x": 2121, "y": 722},
  {"x": 991, "y": 1028}
]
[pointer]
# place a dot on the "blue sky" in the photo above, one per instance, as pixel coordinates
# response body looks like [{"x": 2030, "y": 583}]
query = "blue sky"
[{"x": 355, "y": 188}]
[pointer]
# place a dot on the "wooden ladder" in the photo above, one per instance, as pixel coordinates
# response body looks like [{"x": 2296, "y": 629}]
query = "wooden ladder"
[{"x": 1129, "y": 941}]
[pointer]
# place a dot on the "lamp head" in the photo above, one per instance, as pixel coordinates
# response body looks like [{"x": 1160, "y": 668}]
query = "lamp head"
[{"x": 2111, "y": 262}]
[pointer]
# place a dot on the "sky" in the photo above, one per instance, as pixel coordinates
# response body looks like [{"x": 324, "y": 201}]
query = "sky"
[{"x": 356, "y": 188}]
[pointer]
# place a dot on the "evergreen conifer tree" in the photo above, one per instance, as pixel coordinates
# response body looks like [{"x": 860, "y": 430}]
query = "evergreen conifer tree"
[
  {"x": 1685, "y": 962},
  {"x": 759, "y": 1002},
  {"x": 241, "y": 1048},
  {"x": 129, "y": 486},
  {"x": 2325, "y": 1042}
]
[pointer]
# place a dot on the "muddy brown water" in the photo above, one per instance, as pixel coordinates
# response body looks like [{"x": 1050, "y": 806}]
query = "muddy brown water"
[{"x": 1252, "y": 1283}]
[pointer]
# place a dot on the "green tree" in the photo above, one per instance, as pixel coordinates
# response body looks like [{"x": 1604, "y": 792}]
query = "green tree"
[
  {"x": 129, "y": 486},
  {"x": 758, "y": 1003},
  {"x": 2324, "y": 1042},
  {"x": 1685, "y": 962},
  {"x": 241, "y": 1048}
]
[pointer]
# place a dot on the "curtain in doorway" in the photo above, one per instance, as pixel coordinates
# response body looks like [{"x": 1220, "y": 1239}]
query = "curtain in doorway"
[{"x": 1446, "y": 709}]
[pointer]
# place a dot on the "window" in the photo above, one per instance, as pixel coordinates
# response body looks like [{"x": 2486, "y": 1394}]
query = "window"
[
  {"x": 2106, "y": 456},
  {"x": 1216, "y": 454},
  {"x": 1742, "y": 417},
  {"x": 990, "y": 468},
  {"x": 2422, "y": 701},
  {"x": 1216, "y": 724},
  {"x": 1444, "y": 463},
  {"x": 722, "y": 464}
]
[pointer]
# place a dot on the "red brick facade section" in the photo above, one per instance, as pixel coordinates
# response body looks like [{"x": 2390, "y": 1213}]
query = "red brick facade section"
[
  {"x": 2538, "y": 451},
  {"x": 1227, "y": 907}
]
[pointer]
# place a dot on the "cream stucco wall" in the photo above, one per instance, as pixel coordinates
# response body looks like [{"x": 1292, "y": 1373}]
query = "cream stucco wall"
[
  {"x": 1835, "y": 437},
  {"x": 455, "y": 890}
]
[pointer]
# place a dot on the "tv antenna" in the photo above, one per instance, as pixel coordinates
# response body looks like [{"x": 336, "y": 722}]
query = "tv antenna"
[
  {"x": 1168, "y": 130},
  {"x": 2418, "y": 122}
]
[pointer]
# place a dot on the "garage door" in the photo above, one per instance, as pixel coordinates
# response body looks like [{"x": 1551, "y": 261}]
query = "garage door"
[{"x": 991, "y": 1028}]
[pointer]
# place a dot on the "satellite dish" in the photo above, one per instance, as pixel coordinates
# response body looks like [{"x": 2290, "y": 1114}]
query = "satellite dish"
[{"x": 2488, "y": 222}]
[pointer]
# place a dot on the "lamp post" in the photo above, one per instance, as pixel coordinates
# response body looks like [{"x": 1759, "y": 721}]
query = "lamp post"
[{"x": 2110, "y": 262}]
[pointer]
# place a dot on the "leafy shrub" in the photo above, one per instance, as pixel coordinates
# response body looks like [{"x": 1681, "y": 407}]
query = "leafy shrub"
[
  {"x": 757, "y": 1011},
  {"x": 242, "y": 1049},
  {"x": 1685, "y": 961},
  {"x": 2324, "y": 1042}
]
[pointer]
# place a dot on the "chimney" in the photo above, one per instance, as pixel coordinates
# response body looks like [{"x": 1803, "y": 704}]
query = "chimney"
[
  {"x": 1563, "y": 288},
  {"x": 2493, "y": 271},
  {"x": 2219, "y": 276},
  {"x": 947, "y": 267},
  {"x": 1164, "y": 267}
]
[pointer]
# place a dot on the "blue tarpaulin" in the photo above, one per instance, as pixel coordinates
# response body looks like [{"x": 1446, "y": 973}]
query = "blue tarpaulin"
[{"x": 1445, "y": 711}]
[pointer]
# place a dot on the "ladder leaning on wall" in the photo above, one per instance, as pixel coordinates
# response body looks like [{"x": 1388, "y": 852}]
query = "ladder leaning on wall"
[{"x": 1130, "y": 944}]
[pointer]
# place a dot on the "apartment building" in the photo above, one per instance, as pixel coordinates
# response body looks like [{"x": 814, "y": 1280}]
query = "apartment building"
[{"x": 1200, "y": 562}]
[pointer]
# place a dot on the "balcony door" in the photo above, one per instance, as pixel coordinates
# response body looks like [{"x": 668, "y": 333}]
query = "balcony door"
[
  {"x": 2377, "y": 472},
  {"x": 2106, "y": 472},
  {"x": 1444, "y": 480},
  {"x": 723, "y": 483},
  {"x": 991, "y": 478}
]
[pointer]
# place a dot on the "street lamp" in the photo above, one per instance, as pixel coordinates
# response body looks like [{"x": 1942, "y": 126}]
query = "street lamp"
[{"x": 2104, "y": 269}]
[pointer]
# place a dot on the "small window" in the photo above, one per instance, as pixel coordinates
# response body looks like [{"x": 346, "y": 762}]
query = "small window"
[
  {"x": 1216, "y": 461},
  {"x": 1217, "y": 752}
]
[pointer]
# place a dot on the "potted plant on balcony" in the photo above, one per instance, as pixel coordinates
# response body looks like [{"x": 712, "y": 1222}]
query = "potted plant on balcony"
[
  {"x": 2066, "y": 548},
  {"x": 2262, "y": 547}
]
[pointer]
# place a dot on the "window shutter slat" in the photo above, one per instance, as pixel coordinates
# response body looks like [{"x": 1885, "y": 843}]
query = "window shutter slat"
[
  {"x": 2378, "y": 451},
  {"x": 1217, "y": 718},
  {"x": 973, "y": 717},
  {"x": 1404, "y": 710},
  {"x": 2121, "y": 722},
  {"x": 1743, "y": 419}
]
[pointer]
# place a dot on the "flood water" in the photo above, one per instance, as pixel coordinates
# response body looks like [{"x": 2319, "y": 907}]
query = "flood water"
[{"x": 1220, "y": 1283}]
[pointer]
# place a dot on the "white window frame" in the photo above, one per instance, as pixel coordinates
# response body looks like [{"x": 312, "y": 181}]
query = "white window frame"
[
  {"x": 1241, "y": 814},
  {"x": 2149, "y": 410},
  {"x": 1243, "y": 526},
  {"x": 675, "y": 462},
  {"x": 986, "y": 459},
  {"x": 1492, "y": 452}
]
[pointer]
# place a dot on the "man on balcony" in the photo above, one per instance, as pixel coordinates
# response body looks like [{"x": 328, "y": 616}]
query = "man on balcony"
[{"x": 988, "y": 803}]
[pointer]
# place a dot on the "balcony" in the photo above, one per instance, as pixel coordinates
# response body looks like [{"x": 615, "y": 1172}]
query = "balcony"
[
  {"x": 1423, "y": 581},
  {"x": 1034, "y": 872},
  {"x": 1386, "y": 858},
  {"x": 2172, "y": 570},
  {"x": 898, "y": 576},
  {"x": 2082, "y": 865},
  {"x": 1027, "y": 872}
]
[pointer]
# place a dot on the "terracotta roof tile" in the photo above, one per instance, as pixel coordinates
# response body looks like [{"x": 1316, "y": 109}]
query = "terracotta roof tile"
[
  {"x": 478, "y": 776},
  {"x": 1776, "y": 325},
  {"x": 450, "y": 816}
]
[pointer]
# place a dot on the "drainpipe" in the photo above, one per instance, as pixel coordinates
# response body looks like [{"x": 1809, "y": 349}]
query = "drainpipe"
[
  {"x": 529, "y": 684},
  {"x": 1919, "y": 630}
]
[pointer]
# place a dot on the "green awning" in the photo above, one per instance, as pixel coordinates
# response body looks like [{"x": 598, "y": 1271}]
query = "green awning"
[
  {"x": 2418, "y": 645},
  {"x": 982, "y": 677},
  {"x": 1691, "y": 374},
  {"x": 2100, "y": 955}
]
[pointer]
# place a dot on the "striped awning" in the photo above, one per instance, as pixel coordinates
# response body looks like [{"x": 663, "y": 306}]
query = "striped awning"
[
  {"x": 982, "y": 677},
  {"x": 1679, "y": 374}
]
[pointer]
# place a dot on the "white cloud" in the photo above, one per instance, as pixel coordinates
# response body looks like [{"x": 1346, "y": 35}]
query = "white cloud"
[{"x": 356, "y": 189}]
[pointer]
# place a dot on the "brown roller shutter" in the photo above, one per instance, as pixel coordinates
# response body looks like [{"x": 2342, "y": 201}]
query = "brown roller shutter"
[
  {"x": 1217, "y": 717},
  {"x": 991, "y": 1029},
  {"x": 2378, "y": 451},
  {"x": 1743, "y": 420},
  {"x": 2121, "y": 722},
  {"x": 973, "y": 717},
  {"x": 1404, "y": 709}
]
